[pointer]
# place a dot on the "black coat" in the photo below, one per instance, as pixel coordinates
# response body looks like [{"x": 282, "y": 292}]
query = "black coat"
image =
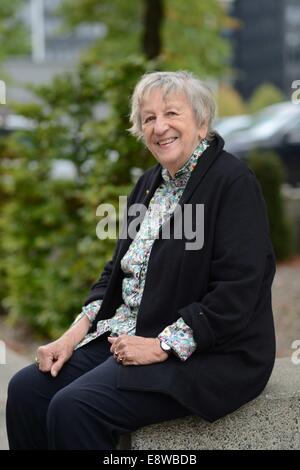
[{"x": 222, "y": 291}]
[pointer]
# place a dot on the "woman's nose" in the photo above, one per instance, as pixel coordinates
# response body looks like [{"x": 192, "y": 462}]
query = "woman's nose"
[{"x": 160, "y": 125}]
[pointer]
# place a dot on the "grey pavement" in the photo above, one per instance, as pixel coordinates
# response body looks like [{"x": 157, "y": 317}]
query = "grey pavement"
[{"x": 13, "y": 363}]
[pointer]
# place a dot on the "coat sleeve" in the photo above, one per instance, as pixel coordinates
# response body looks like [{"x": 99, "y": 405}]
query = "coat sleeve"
[
  {"x": 242, "y": 251},
  {"x": 98, "y": 289}
]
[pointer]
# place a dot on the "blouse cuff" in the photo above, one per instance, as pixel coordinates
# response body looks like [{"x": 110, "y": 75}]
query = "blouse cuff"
[
  {"x": 90, "y": 311},
  {"x": 180, "y": 337}
]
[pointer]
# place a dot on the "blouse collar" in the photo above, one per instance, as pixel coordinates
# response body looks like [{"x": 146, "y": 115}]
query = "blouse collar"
[{"x": 183, "y": 174}]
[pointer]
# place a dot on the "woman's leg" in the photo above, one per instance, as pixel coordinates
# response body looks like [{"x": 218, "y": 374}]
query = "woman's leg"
[
  {"x": 92, "y": 413},
  {"x": 30, "y": 392}
]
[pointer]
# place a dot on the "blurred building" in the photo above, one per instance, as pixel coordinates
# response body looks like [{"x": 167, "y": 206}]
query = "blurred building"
[
  {"x": 266, "y": 46},
  {"x": 53, "y": 49}
]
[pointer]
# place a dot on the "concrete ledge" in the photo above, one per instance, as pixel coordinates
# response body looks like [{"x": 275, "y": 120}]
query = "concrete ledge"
[{"x": 272, "y": 421}]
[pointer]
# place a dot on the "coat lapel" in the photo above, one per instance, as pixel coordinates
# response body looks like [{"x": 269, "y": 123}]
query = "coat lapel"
[
  {"x": 204, "y": 163},
  {"x": 145, "y": 200},
  {"x": 153, "y": 185}
]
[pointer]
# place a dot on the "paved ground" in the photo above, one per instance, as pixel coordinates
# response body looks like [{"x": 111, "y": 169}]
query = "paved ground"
[{"x": 286, "y": 306}]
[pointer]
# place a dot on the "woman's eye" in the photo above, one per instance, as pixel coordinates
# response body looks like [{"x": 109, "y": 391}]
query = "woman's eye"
[{"x": 148, "y": 119}]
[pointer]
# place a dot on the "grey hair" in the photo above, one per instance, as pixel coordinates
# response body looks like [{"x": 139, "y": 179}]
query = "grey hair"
[{"x": 198, "y": 94}]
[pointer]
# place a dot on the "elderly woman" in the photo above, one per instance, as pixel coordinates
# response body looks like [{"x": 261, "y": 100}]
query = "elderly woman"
[{"x": 172, "y": 327}]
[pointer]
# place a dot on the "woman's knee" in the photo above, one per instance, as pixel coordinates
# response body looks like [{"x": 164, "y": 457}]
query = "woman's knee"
[
  {"x": 71, "y": 405},
  {"x": 69, "y": 413},
  {"x": 21, "y": 385},
  {"x": 61, "y": 407}
]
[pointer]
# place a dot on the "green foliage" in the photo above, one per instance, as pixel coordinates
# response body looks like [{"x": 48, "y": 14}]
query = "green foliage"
[
  {"x": 191, "y": 32},
  {"x": 265, "y": 95},
  {"x": 50, "y": 252},
  {"x": 192, "y": 37},
  {"x": 229, "y": 102},
  {"x": 270, "y": 173},
  {"x": 13, "y": 34}
]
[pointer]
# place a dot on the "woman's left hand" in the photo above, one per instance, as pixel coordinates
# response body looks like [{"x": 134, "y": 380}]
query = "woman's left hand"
[{"x": 136, "y": 350}]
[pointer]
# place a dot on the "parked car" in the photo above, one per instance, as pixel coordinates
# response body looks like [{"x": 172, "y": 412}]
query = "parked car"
[
  {"x": 275, "y": 128},
  {"x": 227, "y": 126}
]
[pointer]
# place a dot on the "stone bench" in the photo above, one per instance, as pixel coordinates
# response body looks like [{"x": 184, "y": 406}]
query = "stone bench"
[{"x": 271, "y": 421}]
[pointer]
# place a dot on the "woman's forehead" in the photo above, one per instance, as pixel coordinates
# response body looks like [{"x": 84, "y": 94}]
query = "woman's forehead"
[{"x": 153, "y": 97}]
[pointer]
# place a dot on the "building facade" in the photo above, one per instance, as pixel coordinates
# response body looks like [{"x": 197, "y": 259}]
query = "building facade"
[
  {"x": 266, "y": 46},
  {"x": 53, "y": 49}
]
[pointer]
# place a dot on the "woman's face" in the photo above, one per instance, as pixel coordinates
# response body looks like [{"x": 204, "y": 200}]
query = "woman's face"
[{"x": 170, "y": 129}]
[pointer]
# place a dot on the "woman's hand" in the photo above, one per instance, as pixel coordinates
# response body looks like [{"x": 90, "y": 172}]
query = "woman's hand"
[
  {"x": 51, "y": 357},
  {"x": 137, "y": 350}
]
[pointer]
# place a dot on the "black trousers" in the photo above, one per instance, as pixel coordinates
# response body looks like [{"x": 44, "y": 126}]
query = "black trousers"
[{"x": 81, "y": 408}]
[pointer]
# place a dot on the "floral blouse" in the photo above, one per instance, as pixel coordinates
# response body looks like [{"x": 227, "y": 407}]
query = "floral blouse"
[{"x": 135, "y": 262}]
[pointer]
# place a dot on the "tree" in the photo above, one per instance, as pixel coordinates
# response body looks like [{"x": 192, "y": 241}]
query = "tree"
[
  {"x": 13, "y": 34},
  {"x": 184, "y": 34},
  {"x": 50, "y": 254},
  {"x": 153, "y": 18},
  {"x": 193, "y": 39}
]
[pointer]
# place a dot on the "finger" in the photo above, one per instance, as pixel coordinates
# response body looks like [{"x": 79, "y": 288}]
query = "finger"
[
  {"x": 111, "y": 339},
  {"x": 113, "y": 343},
  {"x": 57, "y": 366},
  {"x": 45, "y": 364}
]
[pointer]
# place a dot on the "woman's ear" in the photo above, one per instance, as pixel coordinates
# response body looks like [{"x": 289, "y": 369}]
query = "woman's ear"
[{"x": 203, "y": 132}]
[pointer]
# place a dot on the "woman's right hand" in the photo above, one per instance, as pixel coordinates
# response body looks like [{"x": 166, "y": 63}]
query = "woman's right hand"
[{"x": 51, "y": 357}]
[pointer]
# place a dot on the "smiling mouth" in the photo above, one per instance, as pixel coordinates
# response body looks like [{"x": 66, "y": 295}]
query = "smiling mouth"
[{"x": 166, "y": 142}]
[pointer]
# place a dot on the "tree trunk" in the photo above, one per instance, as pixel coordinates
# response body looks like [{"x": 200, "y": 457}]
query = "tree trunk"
[{"x": 153, "y": 17}]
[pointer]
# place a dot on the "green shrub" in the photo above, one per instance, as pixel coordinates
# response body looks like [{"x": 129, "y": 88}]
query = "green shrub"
[
  {"x": 269, "y": 171},
  {"x": 50, "y": 254},
  {"x": 264, "y": 95},
  {"x": 229, "y": 101}
]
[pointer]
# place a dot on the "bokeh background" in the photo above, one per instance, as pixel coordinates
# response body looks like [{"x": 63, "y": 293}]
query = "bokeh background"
[{"x": 69, "y": 67}]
